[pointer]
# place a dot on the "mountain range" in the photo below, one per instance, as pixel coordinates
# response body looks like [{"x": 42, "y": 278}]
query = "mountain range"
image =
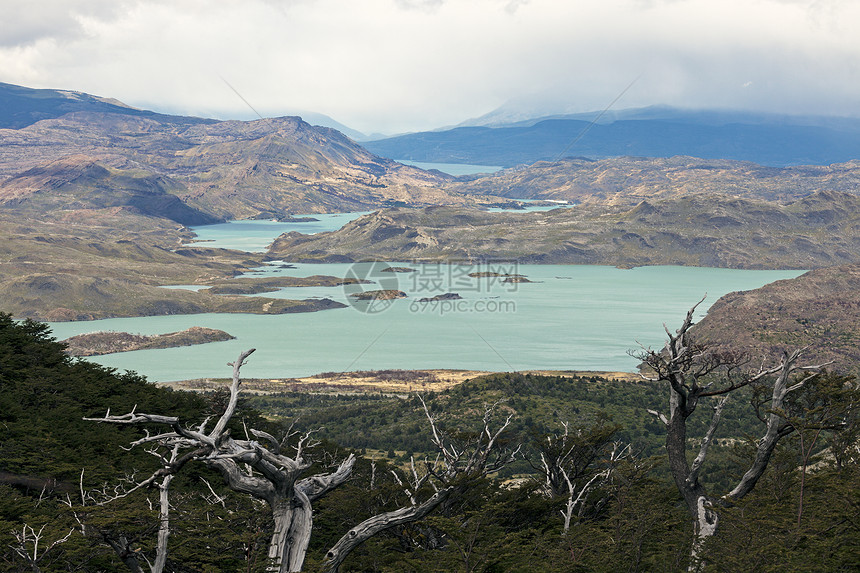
[
  {"x": 96, "y": 197},
  {"x": 819, "y": 230},
  {"x": 506, "y": 140},
  {"x": 72, "y": 150}
]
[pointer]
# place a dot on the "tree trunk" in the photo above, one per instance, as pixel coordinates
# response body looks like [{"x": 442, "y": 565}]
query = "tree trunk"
[
  {"x": 370, "y": 527},
  {"x": 293, "y": 524},
  {"x": 704, "y": 526},
  {"x": 163, "y": 525}
]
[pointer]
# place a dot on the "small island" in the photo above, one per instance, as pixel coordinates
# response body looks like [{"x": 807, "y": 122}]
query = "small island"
[
  {"x": 99, "y": 343},
  {"x": 440, "y": 297},
  {"x": 508, "y": 277},
  {"x": 384, "y": 294}
]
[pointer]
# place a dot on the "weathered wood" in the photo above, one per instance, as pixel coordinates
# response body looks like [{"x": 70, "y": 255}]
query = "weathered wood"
[
  {"x": 692, "y": 372},
  {"x": 370, "y": 527},
  {"x": 267, "y": 474}
]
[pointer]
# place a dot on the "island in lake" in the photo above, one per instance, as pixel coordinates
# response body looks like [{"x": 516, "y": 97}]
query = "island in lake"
[{"x": 99, "y": 343}]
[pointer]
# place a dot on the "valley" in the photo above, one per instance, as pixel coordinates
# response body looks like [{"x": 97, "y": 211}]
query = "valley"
[
  {"x": 96, "y": 201},
  {"x": 392, "y": 311}
]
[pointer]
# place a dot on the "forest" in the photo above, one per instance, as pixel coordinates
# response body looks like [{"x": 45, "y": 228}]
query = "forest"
[{"x": 104, "y": 471}]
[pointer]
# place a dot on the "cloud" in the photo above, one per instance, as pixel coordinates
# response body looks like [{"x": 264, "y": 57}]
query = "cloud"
[
  {"x": 397, "y": 65},
  {"x": 425, "y": 5},
  {"x": 25, "y": 22}
]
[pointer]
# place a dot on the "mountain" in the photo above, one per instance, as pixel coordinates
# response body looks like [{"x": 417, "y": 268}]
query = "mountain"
[
  {"x": 217, "y": 169},
  {"x": 629, "y": 180},
  {"x": 77, "y": 182},
  {"x": 650, "y": 132},
  {"x": 696, "y": 230},
  {"x": 21, "y": 106},
  {"x": 514, "y": 116}
]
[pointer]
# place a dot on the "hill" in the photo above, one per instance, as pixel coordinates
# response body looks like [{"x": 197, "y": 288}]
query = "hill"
[
  {"x": 21, "y": 106},
  {"x": 95, "y": 197},
  {"x": 629, "y": 180},
  {"x": 223, "y": 169},
  {"x": 817, "y": 310},
  {"x": 78, "y": 183},
  {"x": 759, "y": 138},
  {"x": 699, "y": 230}
]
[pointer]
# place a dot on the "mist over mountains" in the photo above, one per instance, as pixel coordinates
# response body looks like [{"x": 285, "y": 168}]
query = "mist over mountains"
[{"x": 506, "y": 138}]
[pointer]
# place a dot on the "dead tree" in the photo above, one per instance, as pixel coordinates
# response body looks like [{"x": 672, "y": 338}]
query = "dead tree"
[
  {"x": 693, "y": 372},
  {"x": 262, "y": 469},
  {"x": 122, "y": 544},
  {"x": 458, "y": 464},
  {"x": 574, "y": 462},
  {"x": 27, "y": 545},
  {"x": 250, "y": 467}
]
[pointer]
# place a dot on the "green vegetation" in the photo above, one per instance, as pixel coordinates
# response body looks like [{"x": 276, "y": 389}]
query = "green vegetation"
[{"x": 635, "y": 521}]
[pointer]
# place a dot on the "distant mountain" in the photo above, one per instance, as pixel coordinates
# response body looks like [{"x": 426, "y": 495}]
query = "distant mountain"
[
  {"x": 506, "y": 140},
  {"x": 21, "y": 106},
  {"x": 215, "y": 169},
  {"x": 512, "y": 117}
]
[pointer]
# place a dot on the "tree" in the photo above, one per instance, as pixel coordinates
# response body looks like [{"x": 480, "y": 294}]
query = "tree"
[
  {"x": 568, "y": 462},
  {"x": 262, "y": 469},
  {"x": 693, "y": 373}
]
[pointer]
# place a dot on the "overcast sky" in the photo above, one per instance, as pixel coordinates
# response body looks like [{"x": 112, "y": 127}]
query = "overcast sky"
[{"x": 405, "y": 65}]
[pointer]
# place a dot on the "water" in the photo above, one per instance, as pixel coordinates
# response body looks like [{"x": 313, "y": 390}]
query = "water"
[
  {"x": 255, "y": 236},
  {"x": 532, "y": 208},
  {"x": 453, "y": 168},
  {"x": 569, "y": 317}
]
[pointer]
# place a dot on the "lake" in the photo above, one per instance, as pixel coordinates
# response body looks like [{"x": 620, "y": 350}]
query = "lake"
[
  {"x": 453, "y": 168},
  {"x": 567, "y": 318}
]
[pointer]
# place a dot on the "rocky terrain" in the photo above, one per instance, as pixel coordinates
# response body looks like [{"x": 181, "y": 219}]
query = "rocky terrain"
[
  {"x": 114, "y": 263},
  {"x": 818, "y": 310},
  {"x": 95, "y": 197},
  {"x": 819, "y": 230},
  {"x": 99, "y": 343},
  {"x": 630, "y": 180},
  {"x": 191, "y": 170}
]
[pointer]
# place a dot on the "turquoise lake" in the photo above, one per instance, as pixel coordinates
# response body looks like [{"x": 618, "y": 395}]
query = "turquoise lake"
[
  {"x": 453, "y": 168},
  {"x": 568, "y": 317}
]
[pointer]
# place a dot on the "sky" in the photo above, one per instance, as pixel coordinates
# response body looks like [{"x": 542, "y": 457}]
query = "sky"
[{"x": 392, "y": 66}]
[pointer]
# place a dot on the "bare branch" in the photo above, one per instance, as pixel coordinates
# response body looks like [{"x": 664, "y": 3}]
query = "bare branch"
[{"x": 693, "y": 476}]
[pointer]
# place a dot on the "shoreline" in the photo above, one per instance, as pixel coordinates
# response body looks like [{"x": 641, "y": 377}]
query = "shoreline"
[{"x": 396, "y": 382}]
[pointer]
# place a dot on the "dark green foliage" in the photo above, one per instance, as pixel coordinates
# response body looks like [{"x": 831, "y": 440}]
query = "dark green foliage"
[
  {"x": 45, "y": 445},
  {"x": 634, "y": 521},
  {"x": 43, "y": 397},
  {"x": 762, "y": 533}
]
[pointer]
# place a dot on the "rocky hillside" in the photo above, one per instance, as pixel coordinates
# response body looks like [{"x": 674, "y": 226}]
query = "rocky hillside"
[
  {"x": 629, "y": 180},
  {"x": 103, "y": 263},
  {"x": 700, "y": 230},
  {"x": 818, "y": 309},
  {"x": 221, "y": 169},
  {"x": 78, "y": 183}
]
